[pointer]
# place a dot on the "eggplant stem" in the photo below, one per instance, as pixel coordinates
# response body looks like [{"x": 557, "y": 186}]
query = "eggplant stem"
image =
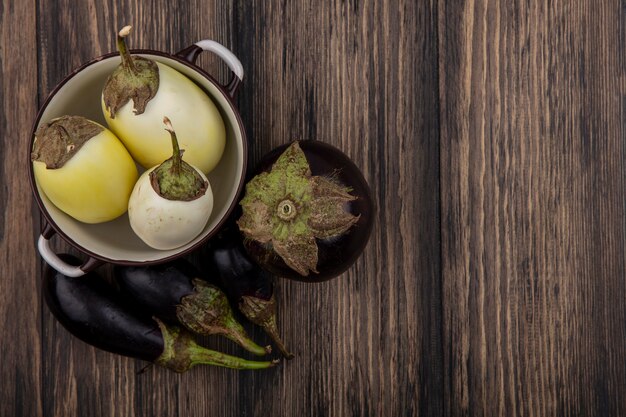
[
  {"x": 181, "y": 353},
  {"x": 236, "y": 333},
  {"x": 127, "y": 60},
  {"x": 271, "y": 329},
  {"x": 263, "y": 313},
  {"x": 176, "y": 155},
  {"x": 202, "y": 356},
  {"x": 207, "y": 312}
]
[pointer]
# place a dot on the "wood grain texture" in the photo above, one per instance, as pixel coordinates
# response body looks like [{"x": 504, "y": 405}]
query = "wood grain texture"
[
  {"x": 20, "y": 338},
  {"x": 533, "y": 220},
  {"x": 491, "y": 135}
]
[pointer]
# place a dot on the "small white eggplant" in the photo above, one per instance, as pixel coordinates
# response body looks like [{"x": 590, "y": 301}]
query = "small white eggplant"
[
  {"x": 137, "y": 95},
  {"x": 171, "y": 203}
]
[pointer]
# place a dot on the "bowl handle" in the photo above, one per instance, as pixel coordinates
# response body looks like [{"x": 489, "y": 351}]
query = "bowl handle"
[
  {"x": 57, "y": 263},
  {"x": 191, "y": 54}
]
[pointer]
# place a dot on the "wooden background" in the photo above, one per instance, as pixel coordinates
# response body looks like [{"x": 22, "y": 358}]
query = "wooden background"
[{"x": 491, "y": 134}]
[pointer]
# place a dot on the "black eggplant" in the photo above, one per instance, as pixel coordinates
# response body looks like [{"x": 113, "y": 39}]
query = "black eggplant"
[
  {"x": 307, "y": 213},
  {"x": 248, "y": 286},
  {"x": 174, "y": 293},
  {"x": 92, "y": 311}
]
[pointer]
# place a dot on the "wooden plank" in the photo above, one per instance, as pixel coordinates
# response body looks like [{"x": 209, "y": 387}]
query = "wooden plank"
[
  {"x": 21, "y": 338},
  {"x": 533, "y": 213},
  {"x": 361, "y": 76}
]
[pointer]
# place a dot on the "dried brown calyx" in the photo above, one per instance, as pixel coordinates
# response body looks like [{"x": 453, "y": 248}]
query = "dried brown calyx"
[
  {"x": 136, "y": 78},
  {"x": 57, "y": 141},
  {"x": 288, "y": 208}
]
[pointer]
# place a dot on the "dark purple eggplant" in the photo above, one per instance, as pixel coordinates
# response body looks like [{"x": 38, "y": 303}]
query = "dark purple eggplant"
[
  {"x": 307, "y": 212},
  {"x": 175, "y": 293},
  {"x": 92, "y": 311},
  {"x": 248, "y": 286}
]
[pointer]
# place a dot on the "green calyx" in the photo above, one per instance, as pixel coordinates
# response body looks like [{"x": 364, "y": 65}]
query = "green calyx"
[
  {"x": 181, "y": 353},
  {"x": 288, "y": 208},
  {"x": 57, "y": 141},
  {"x": 134, "y": 79},
  {"x": 207, "y": 312},
  {"x": 175, "y": 179}
]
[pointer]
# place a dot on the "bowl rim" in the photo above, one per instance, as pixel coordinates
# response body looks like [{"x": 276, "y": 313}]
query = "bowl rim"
[{"x": 49, "y": 227}]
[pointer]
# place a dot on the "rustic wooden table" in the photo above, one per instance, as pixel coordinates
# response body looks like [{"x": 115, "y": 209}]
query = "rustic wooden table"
[{"x": 491, "y": 134}]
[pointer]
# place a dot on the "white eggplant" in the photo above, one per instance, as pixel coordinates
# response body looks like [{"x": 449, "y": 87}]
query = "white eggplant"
[
  {"x": 138, "y": 94},
  {"x": 170, "y": 203}
]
